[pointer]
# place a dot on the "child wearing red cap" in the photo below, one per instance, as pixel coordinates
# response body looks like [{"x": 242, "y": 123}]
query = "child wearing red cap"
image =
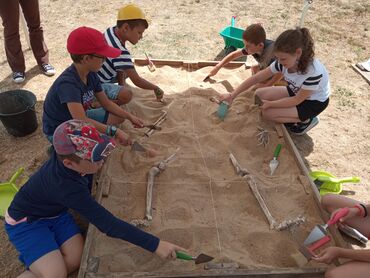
[
  {"x": 73, "y": 92},
  {"x": 38, "y": 222},
  {"x": 131, "y": 24}
]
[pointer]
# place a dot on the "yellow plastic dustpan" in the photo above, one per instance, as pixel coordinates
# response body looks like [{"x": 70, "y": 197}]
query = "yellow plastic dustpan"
[
  {"x": 8, "y": 191},
  {"x": 328, "y": 183}
]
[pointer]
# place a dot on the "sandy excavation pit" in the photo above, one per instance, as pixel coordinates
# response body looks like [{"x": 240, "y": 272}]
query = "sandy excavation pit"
[{"x": 198, "y": 201}]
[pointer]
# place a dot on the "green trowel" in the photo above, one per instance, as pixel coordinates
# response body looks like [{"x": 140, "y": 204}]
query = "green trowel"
[
  {"x": 201, "y": 258},
  {"x": 328, "y": 183}
]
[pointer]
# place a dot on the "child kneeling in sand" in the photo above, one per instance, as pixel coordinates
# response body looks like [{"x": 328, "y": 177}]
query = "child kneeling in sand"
[
  {"x": 308, "y": 90},
  {"x": 38, "y": 222},
  {"x": 255, "y": 44},
  {"x": 358, "y": 218},
  {"x": 73, "y": 92},
  {"x": 130, "y": 26}
]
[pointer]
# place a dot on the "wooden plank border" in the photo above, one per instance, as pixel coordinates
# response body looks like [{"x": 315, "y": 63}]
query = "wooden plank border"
[
  {"x": 234, "y": 273},
  {"x": 364, "y": 74}
]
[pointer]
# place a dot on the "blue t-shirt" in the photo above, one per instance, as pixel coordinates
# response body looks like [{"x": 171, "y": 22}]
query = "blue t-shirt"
[
  {"x": 54, "y": 188},
  {"x": 68, "y": 87}
]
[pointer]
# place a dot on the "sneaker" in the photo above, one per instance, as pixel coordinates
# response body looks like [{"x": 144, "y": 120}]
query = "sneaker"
[
  {"x": 303, "y": 128},
  {"x": 19, "y": 76},
  {"x": 47, "y": 69}
]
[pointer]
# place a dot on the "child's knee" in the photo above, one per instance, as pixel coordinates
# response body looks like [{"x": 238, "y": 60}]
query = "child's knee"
[
  {"x": 124, "y": 95},
  {"x": 259, "y": 92}
]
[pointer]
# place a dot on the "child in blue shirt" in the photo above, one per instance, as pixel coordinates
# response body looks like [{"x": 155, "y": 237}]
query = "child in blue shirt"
[
  {"x": 38, "y": 222},
  {"x": 72, "y": 93},
  {"x": 131, "y": 24},
  {"x": 308, "y": 90}
]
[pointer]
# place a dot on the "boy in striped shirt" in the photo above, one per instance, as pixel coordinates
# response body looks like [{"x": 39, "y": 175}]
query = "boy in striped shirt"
[{"x": 131, "y": 24}]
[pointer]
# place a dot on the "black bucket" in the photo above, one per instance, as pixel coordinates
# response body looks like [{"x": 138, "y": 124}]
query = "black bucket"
[{"x": 17, "y": 112}]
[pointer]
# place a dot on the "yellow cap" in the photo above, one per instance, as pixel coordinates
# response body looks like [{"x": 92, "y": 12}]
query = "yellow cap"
[{"x": 131, "y": 11}]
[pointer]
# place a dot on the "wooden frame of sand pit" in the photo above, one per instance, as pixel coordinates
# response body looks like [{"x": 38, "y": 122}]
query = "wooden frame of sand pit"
[{"x": 229, "y": 215}]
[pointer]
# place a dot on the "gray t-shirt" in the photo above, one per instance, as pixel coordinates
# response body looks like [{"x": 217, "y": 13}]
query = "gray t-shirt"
[{"x": 266, "y": 57}]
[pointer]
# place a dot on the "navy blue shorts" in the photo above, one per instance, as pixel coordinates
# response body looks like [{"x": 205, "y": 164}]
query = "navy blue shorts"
[
  {"x": 36, "y": 239},
  {"x": 309, "y": 108}
]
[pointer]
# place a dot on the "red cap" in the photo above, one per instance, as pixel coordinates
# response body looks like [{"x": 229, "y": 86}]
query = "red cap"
[{"x": 86, "y": 40}]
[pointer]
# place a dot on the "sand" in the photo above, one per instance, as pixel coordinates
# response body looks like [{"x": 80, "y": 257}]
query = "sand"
[
  {"x": 188, "y": 30},
  {"x": 198, "y": 200}
]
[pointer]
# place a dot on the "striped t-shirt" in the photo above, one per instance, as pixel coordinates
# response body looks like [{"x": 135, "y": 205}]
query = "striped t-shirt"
[
  {"x": 108, "y": 71},
  {"x": 315, "y": 79}
]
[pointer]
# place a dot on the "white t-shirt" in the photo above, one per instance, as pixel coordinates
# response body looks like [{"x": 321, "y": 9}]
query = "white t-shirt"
[{"x": 315, "y": 79}]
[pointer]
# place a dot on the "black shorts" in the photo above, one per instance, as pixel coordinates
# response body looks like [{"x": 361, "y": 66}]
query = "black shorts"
[{"x": 309, "y": 108}]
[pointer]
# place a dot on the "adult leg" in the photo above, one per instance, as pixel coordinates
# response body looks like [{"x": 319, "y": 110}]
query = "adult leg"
[
  {"x": 31, "y": 13},
  {"x": 272, "y": 93},
  {"x": 350, "y": 269},
  {"x": 72, "y": 252},
  {"x": 332, "y": 202},
  {"x": 9, "y": 11}
]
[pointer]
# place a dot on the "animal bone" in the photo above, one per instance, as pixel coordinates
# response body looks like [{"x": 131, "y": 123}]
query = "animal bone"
[
  {"x": 154, "y": 171},
  {"x": 149, "y": 191},
  {"x": 156, "y": 123},
  {"x": 253, "y": 186},
  {"x": 290, "y": 223},
  {"x": 238, "y": 168},
  {"x": 140, "y": 223},
  {"x": 263, "y": 136}
]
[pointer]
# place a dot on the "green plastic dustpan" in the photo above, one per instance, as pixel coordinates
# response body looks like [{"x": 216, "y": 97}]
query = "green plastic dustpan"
[
  {"x": 328, "y": 183},
  {"x": 8, "y": 191}
]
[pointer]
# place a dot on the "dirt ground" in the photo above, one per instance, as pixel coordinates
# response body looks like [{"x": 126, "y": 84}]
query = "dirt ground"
[{"x": 189, "y": 30}]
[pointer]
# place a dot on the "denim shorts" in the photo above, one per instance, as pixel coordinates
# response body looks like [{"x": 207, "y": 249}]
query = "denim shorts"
[
  {"x": 111, "y": 90},
  {"x": 35, "y": 239},
  {"x": 98, "y": 114}
]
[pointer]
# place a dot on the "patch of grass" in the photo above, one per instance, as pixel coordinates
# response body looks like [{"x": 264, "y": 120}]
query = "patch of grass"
[{"x": 345, "y": 98}]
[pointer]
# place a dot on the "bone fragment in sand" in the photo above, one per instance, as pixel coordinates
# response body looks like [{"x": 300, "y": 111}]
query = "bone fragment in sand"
[
  {"x": 153, "y": 172},
  {"x": 263, "y": 136},
  {"x": 157, "y": 123}
]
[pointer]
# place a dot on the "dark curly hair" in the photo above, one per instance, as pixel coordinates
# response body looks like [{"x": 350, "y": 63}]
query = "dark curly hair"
[{"x": 290, "y": 40}]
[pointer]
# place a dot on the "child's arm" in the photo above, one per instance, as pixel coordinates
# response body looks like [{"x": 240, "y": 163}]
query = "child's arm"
[
  {"x": 77, "y": 112},
  {"x": 258, "y": 77},
  {"x": 232, "y": 56},
  {"x": 139, "y": 81},
  {"x": 115, "y": 109},
  {"x": 331, "y": 253},
  {"x": 271, "y": 81},
  {"x": 81, "y": 201}
]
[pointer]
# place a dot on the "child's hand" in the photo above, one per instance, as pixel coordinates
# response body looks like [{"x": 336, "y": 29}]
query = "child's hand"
[
  {"x": 328, "y": 255},
  {"x": 137, "y": 122},
  {"x": 352, "y": 212},
  {"x": 260, "y": 85},
  {"x": 123, "y": 138},
  {"x": 159, "y": 93},
  {"x": 167, "y": 250},
  {"x": 227, "y": 97},
  {"x": 265, "y": 104}
]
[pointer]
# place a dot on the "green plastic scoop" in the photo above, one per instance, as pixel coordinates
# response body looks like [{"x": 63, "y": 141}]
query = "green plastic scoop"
[
  {"x": 222, "y": 110},
  {"x": 274, "y": 163},
  {"x": 8, "y": 191},
  {"x": 201, "y": 258},
  {"x": 328, "y": 183}
]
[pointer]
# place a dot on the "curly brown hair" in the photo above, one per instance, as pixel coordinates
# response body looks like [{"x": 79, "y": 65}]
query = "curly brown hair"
[{"x": 290, "y": 40}]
